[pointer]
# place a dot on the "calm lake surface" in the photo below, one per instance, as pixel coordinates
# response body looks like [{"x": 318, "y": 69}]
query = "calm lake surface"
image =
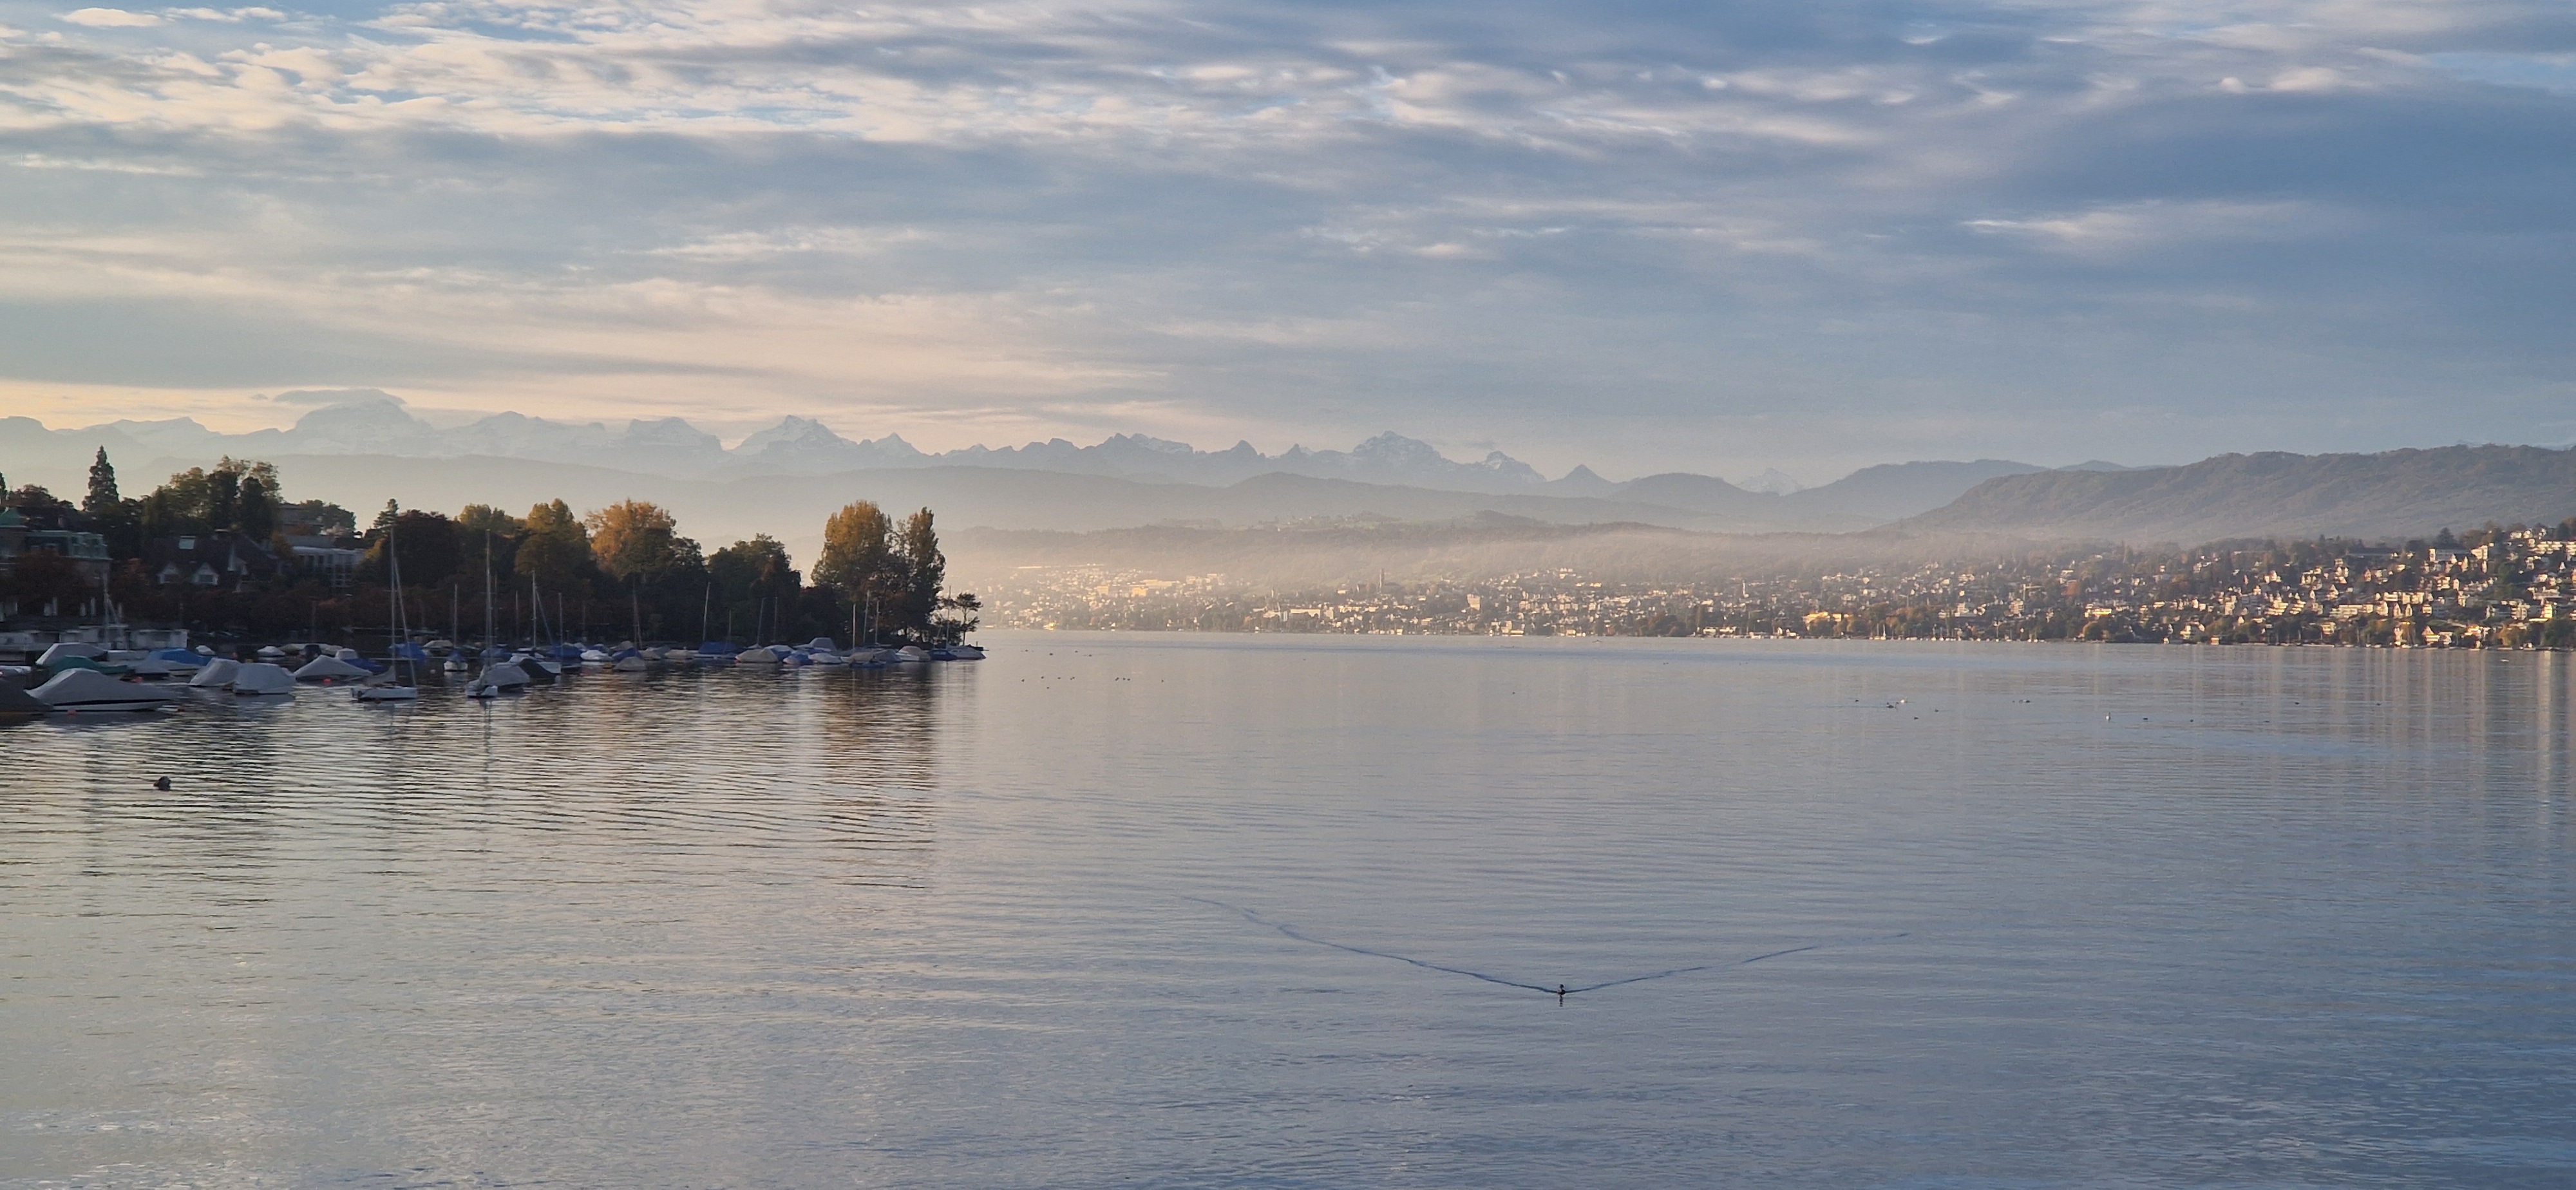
[{"x": 2115, "y": 916}]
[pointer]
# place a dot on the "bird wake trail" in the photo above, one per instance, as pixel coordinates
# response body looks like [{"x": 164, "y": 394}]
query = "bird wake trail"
[{"x": 1560, "y": 991}]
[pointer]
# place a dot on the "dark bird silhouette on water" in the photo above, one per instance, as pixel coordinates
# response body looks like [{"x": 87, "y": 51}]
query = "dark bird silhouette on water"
[
  {"x": 163, "y": 785},
  {"x": 1560, "y": 991}
]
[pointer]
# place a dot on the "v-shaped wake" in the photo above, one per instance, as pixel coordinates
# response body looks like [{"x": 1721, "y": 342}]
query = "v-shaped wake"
[{"x": 1560, "y": 991}]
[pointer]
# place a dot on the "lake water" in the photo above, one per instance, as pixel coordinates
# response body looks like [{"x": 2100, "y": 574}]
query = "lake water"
[{"x": 2116, "y": 916}]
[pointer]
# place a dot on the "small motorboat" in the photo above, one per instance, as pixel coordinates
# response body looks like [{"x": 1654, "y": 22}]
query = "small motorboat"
[
  {"x": 327, "y": 670},
  {"x": 385, "y": 691},
  {"x": 61, "y": 651},
  {"x": 957, "y": 653},
  {"x": 215, "y": 674},
  {"x": 496, "y": 680},
  {"x": 910, "y": 655},
  {"x": 262, "y": 678},
  {"x": 77, "y": 690}
]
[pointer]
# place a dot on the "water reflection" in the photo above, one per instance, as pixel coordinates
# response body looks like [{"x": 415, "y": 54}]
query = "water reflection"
[
  {"x": 2234, "y": 917},
  {"x": 677, "y": 763}
]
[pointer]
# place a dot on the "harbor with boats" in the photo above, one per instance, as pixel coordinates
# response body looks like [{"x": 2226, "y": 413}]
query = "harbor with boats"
[
  {"x": 77, "y": 678},
  {"x": 213, "y": 585}
]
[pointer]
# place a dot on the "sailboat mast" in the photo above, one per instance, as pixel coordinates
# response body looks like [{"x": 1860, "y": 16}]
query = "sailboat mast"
[{"x": 487, "y": 586}]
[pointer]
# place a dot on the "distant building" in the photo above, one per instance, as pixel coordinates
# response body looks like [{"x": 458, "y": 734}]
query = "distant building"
[
  {"x": 210, "y": 561},
  {"x": 333, "y": 560},
  {"x": 89, "y": 550}
]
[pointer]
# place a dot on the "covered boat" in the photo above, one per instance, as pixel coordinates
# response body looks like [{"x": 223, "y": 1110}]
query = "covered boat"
[
  {"x": 260, "y": 677},
  {"x": 57, "y": 652},
  {"x": 215, "y": 674},
  {"x": 89, "y": 690},
  {"x": 328, "y": 669},
  {"x": 911, "y": 653},
  {"x": 181, "y": 659}
]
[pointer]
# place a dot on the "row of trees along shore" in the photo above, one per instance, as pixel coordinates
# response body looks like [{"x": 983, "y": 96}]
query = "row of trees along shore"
[{"x": 620, "y": 572}]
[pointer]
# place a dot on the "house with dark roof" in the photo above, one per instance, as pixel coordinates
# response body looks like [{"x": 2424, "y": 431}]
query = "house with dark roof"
[
  {"x": 222, "y": 561},
  {"x": 18, "y": 539}
]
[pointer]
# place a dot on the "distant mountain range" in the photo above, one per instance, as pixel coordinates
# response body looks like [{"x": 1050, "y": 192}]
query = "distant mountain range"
[
  {"x": 2395, "y": 495},
  {"x": 360, "y": 448},
  {"x": 1409, "y": 477}
]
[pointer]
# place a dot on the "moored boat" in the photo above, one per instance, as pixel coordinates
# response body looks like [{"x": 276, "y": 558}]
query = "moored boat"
[
  {"x": 76, "y": 690},
  {"x": 262, "y": 678}
]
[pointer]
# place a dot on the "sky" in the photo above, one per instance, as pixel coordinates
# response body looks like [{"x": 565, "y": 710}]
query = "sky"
[{"x": 1644, "y": 236}]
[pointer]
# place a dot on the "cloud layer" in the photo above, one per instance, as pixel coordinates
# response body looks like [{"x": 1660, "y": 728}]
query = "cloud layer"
[{"x": 1646, "y": 235}]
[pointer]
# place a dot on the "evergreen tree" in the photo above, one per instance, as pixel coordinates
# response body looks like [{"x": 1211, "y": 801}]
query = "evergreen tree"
[
  {"x": 925, "y": 570},
  {"x": 256, "y": 510},
  {"x": 102, "y": 499}
]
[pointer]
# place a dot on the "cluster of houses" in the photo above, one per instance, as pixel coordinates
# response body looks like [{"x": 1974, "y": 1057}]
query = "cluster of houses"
[
  {"x": 2501, "y": 588},
  {"x": 213, "y": 562}
]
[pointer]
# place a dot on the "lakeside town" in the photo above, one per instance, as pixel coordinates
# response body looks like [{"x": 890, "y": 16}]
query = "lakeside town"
[{"x": 2498, "y": 586}]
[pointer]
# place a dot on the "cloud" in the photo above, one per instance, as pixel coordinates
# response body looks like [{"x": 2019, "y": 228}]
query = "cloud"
[
  {"x": 1716, "y": 236},
  {"x": 335, "y": 396},
  {"x": 110, "y": 18}
]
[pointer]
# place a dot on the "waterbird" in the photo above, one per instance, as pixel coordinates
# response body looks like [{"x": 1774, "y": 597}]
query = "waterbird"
[{"x": 163, "y": 785}]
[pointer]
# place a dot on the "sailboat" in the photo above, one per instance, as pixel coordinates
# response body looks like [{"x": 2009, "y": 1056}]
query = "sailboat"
[
  {"x": 455, "y": 652},
  {"x": 401, "y": 680}
]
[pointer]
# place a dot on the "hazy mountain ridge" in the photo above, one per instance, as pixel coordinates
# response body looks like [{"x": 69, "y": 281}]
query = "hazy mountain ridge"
[
  {"x": 373, "y": 423},
  {"x": 2393, "y": 495}
]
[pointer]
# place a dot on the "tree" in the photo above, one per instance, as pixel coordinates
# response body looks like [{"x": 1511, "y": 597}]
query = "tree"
[
  {"x": 636, "y": 541},
  {"x": 257, "y": 513},
  {"x": 857, "y": 551},
  {"x": 200, "y": 501},
  {"x": 42, "y": 508},
  {"x": 315, "y": 518},
  {"x": 924, "y": 569},
  {"x": 489, "y": 534},
  {"x": 554, "y": 549},
  {"x": 427, "y": 542},
  {"x": 102, "y": 499},
  {"x": 756, "y": 583}
]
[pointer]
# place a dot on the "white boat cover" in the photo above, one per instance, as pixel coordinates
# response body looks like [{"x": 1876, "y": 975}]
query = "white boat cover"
[
  {"x": 216, "y": 675},
  {"x": 328, "y": 669},
  {"x": 69, "y": 648},
  {"x": 90, "y": 690},
  {"x": 505, "y": 675},
  {"x": 263, "y": 678},
  {"x": 821, "y": 644},
  {"x": 912, "y": 653}
]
